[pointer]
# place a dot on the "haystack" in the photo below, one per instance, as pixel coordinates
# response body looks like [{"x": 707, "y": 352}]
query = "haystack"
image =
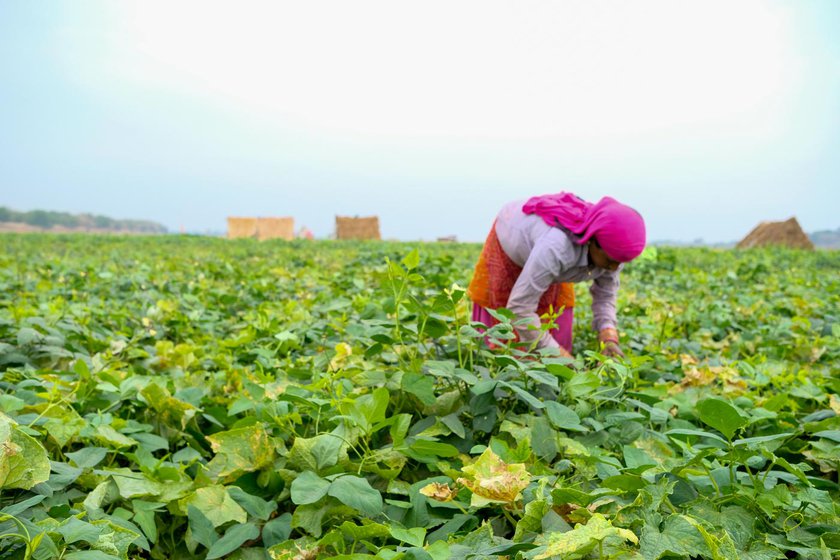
[
  {"x": 239, "y": 228},
  {"x": 276, "y": 228},
  {"x": 357, "y": 228},
  {"x": 782, "y": 234}
]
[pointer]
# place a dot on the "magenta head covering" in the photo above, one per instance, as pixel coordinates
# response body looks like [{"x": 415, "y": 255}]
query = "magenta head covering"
[{"x": 619, "y": 230}]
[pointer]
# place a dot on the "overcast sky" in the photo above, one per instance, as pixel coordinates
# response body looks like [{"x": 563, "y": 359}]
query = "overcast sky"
[{"x": 706, "y": 116}]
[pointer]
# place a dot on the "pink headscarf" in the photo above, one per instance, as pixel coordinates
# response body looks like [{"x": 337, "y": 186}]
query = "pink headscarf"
[{"x": 619, "y": 230}]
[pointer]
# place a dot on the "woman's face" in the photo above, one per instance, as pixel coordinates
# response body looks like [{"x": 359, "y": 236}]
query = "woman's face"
[{"x": 599, "y": 258}]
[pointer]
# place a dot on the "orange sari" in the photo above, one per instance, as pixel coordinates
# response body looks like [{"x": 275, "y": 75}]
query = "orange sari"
[{"x": 494, "y": 277}]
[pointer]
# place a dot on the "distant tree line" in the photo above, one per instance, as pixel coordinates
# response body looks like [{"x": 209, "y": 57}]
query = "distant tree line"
[{"x": 48, "y": 219}]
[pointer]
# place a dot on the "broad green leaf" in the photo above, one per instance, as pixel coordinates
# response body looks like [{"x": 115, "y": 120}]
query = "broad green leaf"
[
  {"x": 132, "y": 484},
  {"x": 309, "y": 517},
  {"x": 368, "y": 530},
  {"x": 277, "y": 530},
  {"x": 411, "y": 260},
  {"x": 414, "y": 536},
  {"x": 89, "y": 555},
  {"x": 233, "y": 538},
  {"x": 201, "y": 527},
  {"x": 720, "y": 415},
  {"x": 698, "y": 433},
  {"x": 543, "y": 440},
  {"x": 563, "y": 417},
  {"x": 533, "y": 401},
  {"x": 531, "y": 522},
  {"x": 88, "y": 457},
  {"x": 216, "y": 504},
  {"x": 357, "y": 493},
  {"x": 677, "y": 536},
  {"x": 425, "y": 448},
  {"x": 74, "y": 530},
  {"x": 317, "y": 453},
  {"x": 255, "y": 506},
  {"x": 421, "y": 386},
  {"x": 108, "y": 435},
  {"x": 308, "y": 488}
]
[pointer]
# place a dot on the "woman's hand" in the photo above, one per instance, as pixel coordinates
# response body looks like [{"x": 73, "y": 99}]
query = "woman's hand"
[{"x": 609, "y": 339}]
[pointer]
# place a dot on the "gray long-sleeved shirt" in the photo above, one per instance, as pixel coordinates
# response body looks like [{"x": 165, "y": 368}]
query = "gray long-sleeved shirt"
[{"x": 549, "y": 255}]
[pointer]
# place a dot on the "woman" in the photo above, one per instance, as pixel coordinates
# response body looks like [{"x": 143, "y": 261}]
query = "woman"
[{"x": 538, "y": 248}]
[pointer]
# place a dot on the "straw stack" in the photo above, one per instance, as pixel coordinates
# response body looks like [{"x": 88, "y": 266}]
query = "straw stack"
[
  {"x": 357, "y": 228},
  {"x": 239, "y": 228},
  {"x": 783, "y": 234}
]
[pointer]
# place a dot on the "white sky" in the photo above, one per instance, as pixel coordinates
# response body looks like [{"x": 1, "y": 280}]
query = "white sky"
[{"x": 433, "y": 114}]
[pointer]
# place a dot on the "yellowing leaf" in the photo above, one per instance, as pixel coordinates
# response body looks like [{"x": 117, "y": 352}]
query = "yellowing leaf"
[
  {"x": 834, "y": 403},
  {"x": 494, "y": 481},
  {"x": 170, "y": 410},
  {"x": 23, "y": 461},
  {"x": 584, "y": 537},
  {"x": 342, "y": 352},
  {"x": 438, "y": 491},
  {"x": 239, "y": 451}
]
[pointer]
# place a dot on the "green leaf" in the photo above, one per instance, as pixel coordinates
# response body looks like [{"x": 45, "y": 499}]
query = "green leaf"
[
  {"x": 257, "y": 507},
  {"x": 89, "y": 555},
  {"x": 411, "y": 260},
  {"x": 414, "y": 536},
  {"x": 316, "y": 453},
  {"x": 309, "y": 518},
  {"x": 676, "y": 537},
  {"x": 308, "y": 488},
  {"x": 399, "y": 428},
  {"x": 88, "y": 457},
  {"x": 421, "y": 386},
  {"x": 108, "y": 435},
  {"x": 74, "y": 530},
  {"x": 357, "y": 493},
  {"x": 201, "y": 528},
  {"x": 367, "y": 531},
  {"x": 563, "y": 417},
  {"x": 277, "y": 530},
  {"x": 543, "y": 440},
  {"x": 698, "y": 433},
  {"x": 133, "y": 484},
  {"x": 216, "y": 504},
  {"x": 533, "y": 401},
  {"x": 625, "y": 482},
  {"x": 531, "y": 522},
  {"x": 426, "y": 448},
  {"x": 720, "y": 415},
  {"x": 233, "y": 539}
]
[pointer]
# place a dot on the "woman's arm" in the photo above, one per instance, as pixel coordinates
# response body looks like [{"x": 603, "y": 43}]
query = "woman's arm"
[{"x": 604, "y": 292}]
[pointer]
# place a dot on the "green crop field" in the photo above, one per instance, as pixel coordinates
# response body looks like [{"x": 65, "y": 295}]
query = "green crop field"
[{"x": 178, "y": 397}]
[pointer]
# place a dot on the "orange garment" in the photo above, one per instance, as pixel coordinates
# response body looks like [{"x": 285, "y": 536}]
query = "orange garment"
[{"x": 494, "y": 277}]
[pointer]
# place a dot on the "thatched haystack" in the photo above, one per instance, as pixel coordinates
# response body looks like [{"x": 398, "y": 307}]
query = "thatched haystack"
[
  {"x": 357, "y": 228},
  {"x": 782, "y": 234},
  {"x": 239, "y": 228},
  {"x": 261, "y": 228},
  {"x": 276, "y": 228}
]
